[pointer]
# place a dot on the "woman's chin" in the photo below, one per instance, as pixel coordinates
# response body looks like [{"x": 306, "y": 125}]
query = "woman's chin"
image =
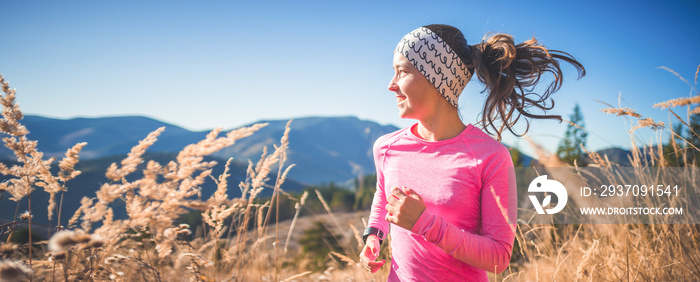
[
  {"x": 402, "y": 114},
  {"x": 405, "y": 115}
]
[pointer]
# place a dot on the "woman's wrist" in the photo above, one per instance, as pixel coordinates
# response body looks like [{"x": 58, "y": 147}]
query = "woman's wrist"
[
  {"x": 374, "y": 232},
  {"x": 424, "y": 218},
  {"x": 372, "y": 237}
]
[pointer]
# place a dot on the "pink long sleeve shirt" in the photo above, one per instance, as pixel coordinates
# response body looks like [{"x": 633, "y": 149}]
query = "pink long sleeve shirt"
[{"x": 463, "y": 232}]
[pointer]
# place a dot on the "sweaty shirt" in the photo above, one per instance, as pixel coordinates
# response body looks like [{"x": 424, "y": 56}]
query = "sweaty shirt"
[{"x": 463, "y": 232}]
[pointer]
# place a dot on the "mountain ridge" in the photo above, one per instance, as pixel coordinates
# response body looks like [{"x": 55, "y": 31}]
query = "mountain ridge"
[{"x": 324, "y": 149}]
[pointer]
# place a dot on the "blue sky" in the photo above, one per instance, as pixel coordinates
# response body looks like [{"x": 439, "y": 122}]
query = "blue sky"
[{"x": 206, "y": 64}]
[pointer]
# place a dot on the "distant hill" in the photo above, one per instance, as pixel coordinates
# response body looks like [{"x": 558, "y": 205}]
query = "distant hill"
[
  {"x": 106, "y": 136},
  {"x": 324, "y": 149},
  {"x": 615, "y": 155},
  {"x": 621, "y": 156}
]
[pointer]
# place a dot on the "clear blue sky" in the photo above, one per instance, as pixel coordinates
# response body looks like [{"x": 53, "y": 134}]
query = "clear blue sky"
[{"x": 206, "y": 64}]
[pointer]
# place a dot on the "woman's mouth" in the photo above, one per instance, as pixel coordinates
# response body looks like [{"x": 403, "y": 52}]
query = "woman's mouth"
[{"x": 400, "y": 99}]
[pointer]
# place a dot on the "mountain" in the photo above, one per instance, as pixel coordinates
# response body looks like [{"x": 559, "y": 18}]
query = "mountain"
[
  {"x": 105, "y": 136},
  {"x": 324, "y": 149},
  {"x": 620, "y": 156}
]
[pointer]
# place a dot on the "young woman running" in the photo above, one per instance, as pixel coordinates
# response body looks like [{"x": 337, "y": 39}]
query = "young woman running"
[{"x": 446, "y": 190}]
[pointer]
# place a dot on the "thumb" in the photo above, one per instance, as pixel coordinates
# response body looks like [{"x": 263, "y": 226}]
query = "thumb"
[
  {"x": 370, "y": 253},
  {"x": 375, "y": 250}
]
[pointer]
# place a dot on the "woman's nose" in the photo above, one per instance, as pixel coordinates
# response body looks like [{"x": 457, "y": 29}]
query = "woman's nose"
[{"x": 392, "y": 85}]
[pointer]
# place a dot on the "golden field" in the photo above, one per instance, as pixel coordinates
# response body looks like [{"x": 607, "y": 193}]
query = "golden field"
[{"x": 240, "y": 240}]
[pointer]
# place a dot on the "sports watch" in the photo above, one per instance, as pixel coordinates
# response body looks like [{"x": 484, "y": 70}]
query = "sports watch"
[{"x": 375, "y": 231}]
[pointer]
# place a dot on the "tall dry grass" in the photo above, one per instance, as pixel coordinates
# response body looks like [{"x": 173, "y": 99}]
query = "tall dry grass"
[
  {"x": 147, "y": 245},
  {"x": 619, "y": 252},
  {"x": 239, "y": 241}
]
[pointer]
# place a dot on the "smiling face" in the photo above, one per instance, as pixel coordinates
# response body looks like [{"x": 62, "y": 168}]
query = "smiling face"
[{"x": 417, "y": 98}]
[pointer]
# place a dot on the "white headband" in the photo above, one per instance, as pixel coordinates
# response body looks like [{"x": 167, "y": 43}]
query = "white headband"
[{"x": 436, "y": 61}]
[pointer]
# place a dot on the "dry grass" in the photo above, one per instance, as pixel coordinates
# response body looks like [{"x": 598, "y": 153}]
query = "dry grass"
[
  {"x": 621, "y": 252},
  {"x": 149, "y": 246}
]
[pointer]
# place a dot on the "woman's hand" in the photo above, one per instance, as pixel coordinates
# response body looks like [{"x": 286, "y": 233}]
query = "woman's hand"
[
  {"x": 404, "y": 207},
  {"x": 369, "y": 254}
]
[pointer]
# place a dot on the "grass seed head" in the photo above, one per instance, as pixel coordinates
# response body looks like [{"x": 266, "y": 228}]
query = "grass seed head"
[
  {"x": 8, "y": 249},
  {"x": 62, "y": 241},
  {"x": 59, "y": 255},
  {"x": 11, "y": 271},
  {"x": 622, "y": 112},
  {"x": 25, "y": 215},
  {"x": 96, "y": 241}
]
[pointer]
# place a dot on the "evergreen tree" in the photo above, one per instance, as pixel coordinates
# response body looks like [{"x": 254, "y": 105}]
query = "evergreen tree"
[
  {"x": 673, "y": 152},
  {"x": 575, "y": 137},
  {"x": 516, "y": 156},
  {"x": 364, "y": 191},
  {"x": 683, "y": 154}
]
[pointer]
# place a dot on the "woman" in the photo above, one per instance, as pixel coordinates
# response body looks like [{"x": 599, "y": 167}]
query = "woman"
[{"x": 446, "y": 190}]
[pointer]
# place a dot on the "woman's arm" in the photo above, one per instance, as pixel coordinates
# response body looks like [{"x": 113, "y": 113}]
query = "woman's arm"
[
  {"x": 377, "y": 211},
  {"x": 370, "y": 252}
]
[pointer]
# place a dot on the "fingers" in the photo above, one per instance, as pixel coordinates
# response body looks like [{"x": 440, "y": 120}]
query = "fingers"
[
  {"x": 392, "y": 212},
  {"x": 396, "y": 196},
  {"x": 373, "y": 266},
  {"x": 375, "y": 246},
  {"x": 368, "y": 257},
  {"x": 390, "y": 209},
  {"x": 411, "y": 193},
  {"x": 395, "y": 202},
  {"x": 390, "y": 218},
  {"x": 398, "y": 193},
  {"x": 368, "y": 253},
  {"x": 404, "y": 207}
]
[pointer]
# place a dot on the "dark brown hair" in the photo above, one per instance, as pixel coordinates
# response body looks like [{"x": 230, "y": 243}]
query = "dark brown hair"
[{"x": 510, "y": 73}]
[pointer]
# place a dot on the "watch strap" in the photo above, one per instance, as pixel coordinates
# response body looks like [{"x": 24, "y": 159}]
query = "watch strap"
[{"x": 373, "y": 231}]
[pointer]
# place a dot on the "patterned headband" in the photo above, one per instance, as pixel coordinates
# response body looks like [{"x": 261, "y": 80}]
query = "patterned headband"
[{"x": 436, "y": 61}]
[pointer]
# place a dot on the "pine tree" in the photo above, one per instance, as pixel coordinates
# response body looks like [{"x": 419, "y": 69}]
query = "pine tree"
[
  {"x": 365, "y": 187},
  {"x": 516, "y": 156},
  {"x": 569, "y": 149},
  {"x": 673, "y": 152}
]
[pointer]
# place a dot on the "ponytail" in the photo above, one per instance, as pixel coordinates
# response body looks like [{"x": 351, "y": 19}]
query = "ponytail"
[{"x": 510, "y": 73}]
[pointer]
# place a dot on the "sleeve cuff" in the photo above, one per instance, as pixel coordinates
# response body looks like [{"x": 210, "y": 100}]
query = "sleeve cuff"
[{"x": 423, "y": 221}]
